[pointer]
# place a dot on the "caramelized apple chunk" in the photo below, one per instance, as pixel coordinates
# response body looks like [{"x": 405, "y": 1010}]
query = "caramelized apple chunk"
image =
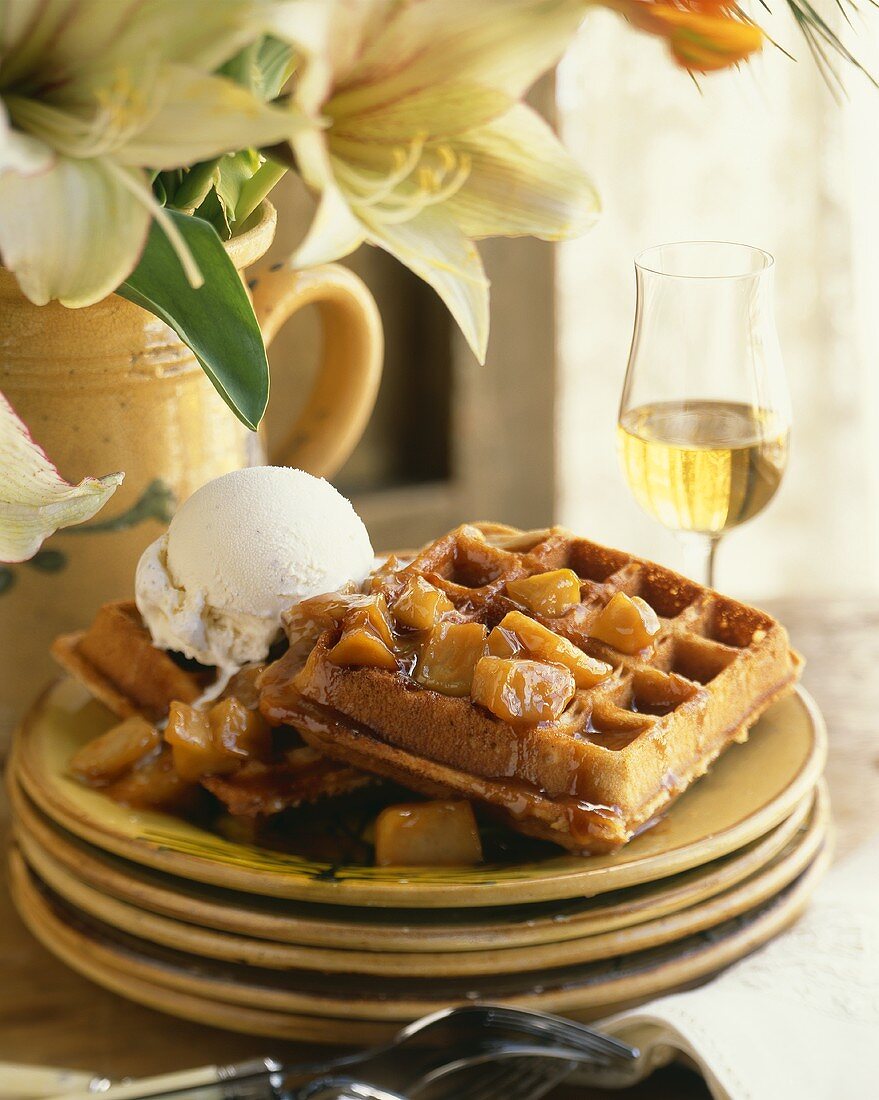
[
  {"x": 194, "y": 750},
  {"x": 504, "y": 643},
  {"x": 551, "y": 594},
  {"x": 449, "y": 657},
  {"x": 627, "y": 623},
  {"x": 105, "y": 758},
  {"x": 367, "y": 638},
  {"x": 239, "y": 731},
  {"x": 304, "y": 622},
  {"x": 373, "y": 615},
  {"x": 522, "y": 691},
  {"x": 155, "y": 784},
  {"x": 244, "y": 686},
  {"x": 420, "y": 604},
  {"x": 427, "y": 834},
  {"x": 361, "y": 647},
  {"x": 540, "y": 642}
]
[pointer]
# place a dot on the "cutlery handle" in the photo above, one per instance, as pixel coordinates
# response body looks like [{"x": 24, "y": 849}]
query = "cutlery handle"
[
  {"x": 149, "y": 1086},
  {"x": 219, "y": 1081},
  {"x": 35, "y": 1082}
]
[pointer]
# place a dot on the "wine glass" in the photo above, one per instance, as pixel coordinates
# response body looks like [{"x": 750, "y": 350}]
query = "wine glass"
[{"x": 704, "y": 420}]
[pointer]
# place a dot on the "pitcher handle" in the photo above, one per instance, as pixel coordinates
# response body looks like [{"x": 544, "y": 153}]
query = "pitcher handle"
[{"x": 344, "y": 391}]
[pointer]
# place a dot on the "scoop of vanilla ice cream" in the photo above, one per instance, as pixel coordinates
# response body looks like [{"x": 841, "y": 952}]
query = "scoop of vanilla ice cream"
[{"x": 241, "y": 550}]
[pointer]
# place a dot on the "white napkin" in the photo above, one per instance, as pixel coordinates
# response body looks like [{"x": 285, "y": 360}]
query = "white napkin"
[{"x": 797, "y": 1020}]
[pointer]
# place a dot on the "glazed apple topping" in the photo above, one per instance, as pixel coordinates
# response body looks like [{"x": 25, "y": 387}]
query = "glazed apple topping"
[
  {"x": 107, "y": 757},
  {"x": 449, "y": 656},
  {"x": 215, "y": 741},
  {"x": 551, "y": 594},
  {"x": 420, "y": 604},
  {"x": 522, "y": 691},
  {"x": 133, "y": 766},
  {"x": 517, "y": 633},
  {"x": 427, "y": 834},
  {"x": 627, "y": 623},
  {"x": 522, "y": 671},
  {"x": 367, "y": 637}
]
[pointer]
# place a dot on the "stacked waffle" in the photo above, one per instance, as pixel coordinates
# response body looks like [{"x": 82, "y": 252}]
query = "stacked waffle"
[
  {"x": 656, "y": 676},
  {"x": 568, "y": 691},
  {"x": 571, "y": 689}
]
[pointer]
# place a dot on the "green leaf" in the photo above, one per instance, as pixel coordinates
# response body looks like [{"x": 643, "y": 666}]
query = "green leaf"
[
  {"x": 254, "y": 190},
  {"x": 263, "y": 67},
  {"x": 196, "y": 183},
  {"x": 216, "y": 321},
  {"x": 235, "y": 170},
  {"x": 275, "y": 63}
]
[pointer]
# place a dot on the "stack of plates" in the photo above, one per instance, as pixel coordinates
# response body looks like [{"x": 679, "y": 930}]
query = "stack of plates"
[{"x": 274, "y": 944}]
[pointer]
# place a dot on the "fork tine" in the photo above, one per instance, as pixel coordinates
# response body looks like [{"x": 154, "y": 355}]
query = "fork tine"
[
  {"x": 493, "y": 1080},
  {"x": 537, "y": 1080},
  {"x": 516, "y": 1079},
  {"x": 568, "y": 1032}
]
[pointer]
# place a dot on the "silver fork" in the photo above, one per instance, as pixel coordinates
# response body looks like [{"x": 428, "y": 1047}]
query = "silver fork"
[
  {"x": 515, "y": 1079},
  {"x": 475, "y": 1062},
  {"x": 445, "y": 1029}
]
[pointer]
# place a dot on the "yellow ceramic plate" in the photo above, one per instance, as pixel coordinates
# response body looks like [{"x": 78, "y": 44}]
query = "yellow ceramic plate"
[
  {"x": 590, "y": 986},
  {"x": 186, "y": 937},
  {"x": 746, "y": 793},
  {"x": 393, "y": 930}
]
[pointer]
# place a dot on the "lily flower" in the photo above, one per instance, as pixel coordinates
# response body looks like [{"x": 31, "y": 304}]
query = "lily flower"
[
  {"x": 91, "y": 95},
  {"x": 35, "y": 501},
  {"x": 424, "y": 145},
  {"x": 703, "y": 35}
]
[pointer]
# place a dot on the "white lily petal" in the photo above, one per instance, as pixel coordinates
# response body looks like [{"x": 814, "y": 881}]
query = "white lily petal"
[
  {"x": 334, "y": 232},
  {"x": 435, "y": 249},
  {"x": 436, "y": 112},
  {"x": 20, "y": 152},
  {"x": 67, "y": 37},
  {"x": 35, "y": 501},
  {"x": 73, "y": 232},
  {"x": 522, "y": 182},
  {"x": 202, "y": 117},
  {"x": 502, "y": 44}
]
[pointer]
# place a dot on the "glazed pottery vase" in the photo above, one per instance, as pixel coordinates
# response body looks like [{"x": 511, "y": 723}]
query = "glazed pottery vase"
[{"x": 110, "y": 387}]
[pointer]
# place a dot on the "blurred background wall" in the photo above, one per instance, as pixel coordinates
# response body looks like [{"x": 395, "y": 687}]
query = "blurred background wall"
[{"x": 764, "y": 156}]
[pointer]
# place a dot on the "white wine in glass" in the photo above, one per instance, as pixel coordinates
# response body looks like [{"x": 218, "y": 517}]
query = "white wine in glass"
[{"x": 705, "y": 416}]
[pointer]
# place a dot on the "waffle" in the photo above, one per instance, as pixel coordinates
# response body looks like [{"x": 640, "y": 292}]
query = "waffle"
[
  {"x": 117, "y": 662},
  {"x": 619, "y": 753}
]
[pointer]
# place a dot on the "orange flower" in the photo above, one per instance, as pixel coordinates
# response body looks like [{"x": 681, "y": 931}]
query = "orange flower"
[{"x": 703, "y": 35}]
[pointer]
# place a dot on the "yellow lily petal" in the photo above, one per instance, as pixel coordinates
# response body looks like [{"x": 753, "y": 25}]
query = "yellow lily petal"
[
  {"x": 335, "y": 231},
  {"x": 20, "y": 152},
  {"x": 73, "y": 232},
  {"x": 67, "y": 37},
  {"x": 436, "y": 112},
  {"x": 501, "y": 44},
  {"x": 522, "y": 182},
  {"x": 435, "y": 249},
  {"x": 200, "y": 118},
  {"x": 35, "y": 501}
]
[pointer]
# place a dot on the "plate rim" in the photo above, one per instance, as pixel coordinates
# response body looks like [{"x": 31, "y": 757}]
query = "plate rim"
[
  {"x": 641, "y": 984},
  {"x": 570, "y": 882},
  {"x": 527, "y": 931},
  {"x": 748, "y": 894}
]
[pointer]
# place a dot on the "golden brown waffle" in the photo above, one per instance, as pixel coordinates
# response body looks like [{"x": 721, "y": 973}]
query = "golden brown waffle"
[
  {"x": 619, "y": 753},
  {"x": 117, "y": 662}
]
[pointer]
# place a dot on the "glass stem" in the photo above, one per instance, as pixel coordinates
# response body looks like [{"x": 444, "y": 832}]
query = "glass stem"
[{"x": 699, "y": 551}]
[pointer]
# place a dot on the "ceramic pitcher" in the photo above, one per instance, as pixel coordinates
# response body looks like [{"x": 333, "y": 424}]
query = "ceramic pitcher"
[{"x": 110, "y": 387}]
